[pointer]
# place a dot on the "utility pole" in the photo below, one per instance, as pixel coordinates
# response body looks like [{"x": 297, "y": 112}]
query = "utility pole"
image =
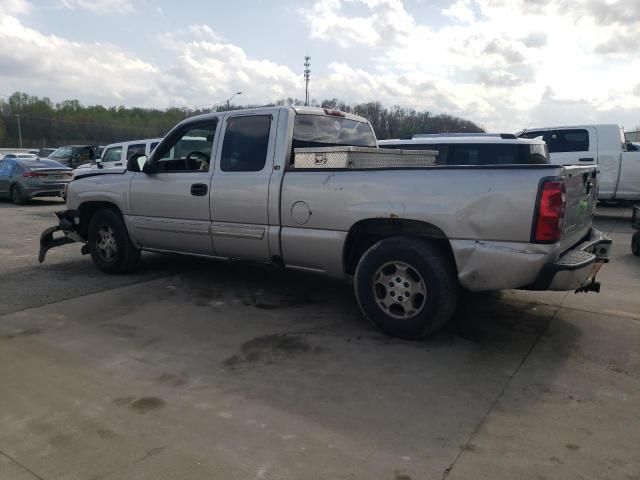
[
  {"x": 307, "y": 76},
  {"x": 19, "y": 129}
]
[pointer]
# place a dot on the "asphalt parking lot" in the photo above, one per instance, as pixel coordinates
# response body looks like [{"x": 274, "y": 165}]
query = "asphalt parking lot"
[{"x": 191, "y": 369}]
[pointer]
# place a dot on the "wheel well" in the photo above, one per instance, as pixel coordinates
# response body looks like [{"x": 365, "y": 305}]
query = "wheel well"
[
  {"x": 88, "y": 209},
  {"x": 366, "y": 233}
]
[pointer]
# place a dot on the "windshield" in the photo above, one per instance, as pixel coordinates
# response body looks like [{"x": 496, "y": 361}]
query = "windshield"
[
  {"x": 330, "y": 131},
  {"x": 61, "y": 152}
]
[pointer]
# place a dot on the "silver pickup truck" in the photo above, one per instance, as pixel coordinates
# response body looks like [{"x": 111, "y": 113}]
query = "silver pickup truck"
[{"x": 227, "y": 185}]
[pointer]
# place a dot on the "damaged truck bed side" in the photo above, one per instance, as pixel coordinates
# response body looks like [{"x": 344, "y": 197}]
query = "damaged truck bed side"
[{"x": 284, "y": 186}]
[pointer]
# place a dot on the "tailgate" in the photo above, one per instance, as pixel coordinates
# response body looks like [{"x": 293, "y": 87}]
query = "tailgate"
[{"x": 582, "y": 195}]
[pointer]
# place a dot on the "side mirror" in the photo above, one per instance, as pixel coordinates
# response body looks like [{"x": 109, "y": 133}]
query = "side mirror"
[
  {"x": 138, "y": 163},
  {"x": 99, "y": 163}
]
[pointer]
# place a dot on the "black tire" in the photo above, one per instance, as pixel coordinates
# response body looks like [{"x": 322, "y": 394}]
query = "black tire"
[
  {"x": 635, "y": 244},
  {"x": 17, "y": 196},
  {"x": 424, "y": 264},
  {"x": 109, "y": 244}
]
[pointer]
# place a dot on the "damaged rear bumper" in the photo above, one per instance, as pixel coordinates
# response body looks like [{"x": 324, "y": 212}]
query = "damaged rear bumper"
[
  {"x": 577, "y": 268},
  {"x": 69, "y": 220}
]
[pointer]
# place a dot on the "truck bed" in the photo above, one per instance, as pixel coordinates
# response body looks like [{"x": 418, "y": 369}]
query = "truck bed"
[{"x": 468, "y": 205}]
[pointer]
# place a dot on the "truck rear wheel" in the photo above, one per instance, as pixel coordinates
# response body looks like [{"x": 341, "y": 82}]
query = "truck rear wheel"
[
  {"x": 635, "y": 244},
  {"x": 406, "y": 288},
  {"x": 109, "y": 243}
]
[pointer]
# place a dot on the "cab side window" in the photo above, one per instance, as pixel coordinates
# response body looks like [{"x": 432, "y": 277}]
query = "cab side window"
[
  {"x": 567, "y": 140},
  {"x": 246, "y": 141},
  {"x": 113, "y": 154},
  {"x": 189, "y": 149},
  {"x": 134, "y": 149}
]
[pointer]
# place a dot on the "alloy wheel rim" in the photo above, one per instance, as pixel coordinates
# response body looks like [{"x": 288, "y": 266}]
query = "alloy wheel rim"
[
  {"x": 107, "y": 245},
  {"x": 399, "y": 290}
]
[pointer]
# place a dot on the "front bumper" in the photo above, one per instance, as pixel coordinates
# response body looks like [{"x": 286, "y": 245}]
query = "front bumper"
[
  {"x": 69, "y": 220},
  {"x": 577, "y": 268}
]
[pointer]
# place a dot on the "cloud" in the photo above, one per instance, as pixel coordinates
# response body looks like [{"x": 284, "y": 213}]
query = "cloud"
[
  {"x": 535, "y": 40},
  {"x": 493, "y": 59},
  {"x": 202, "y": 70},
  {"x": 620, "y": 12},
  {"x": 385, "y": 23},
  {"x": 460, "y": 11},
  {"x": 504, "y": 49},
  {"x": 14, "y": 7},
  {"x": 100, "y": 6},
  {"x": 517, "y": 62}
]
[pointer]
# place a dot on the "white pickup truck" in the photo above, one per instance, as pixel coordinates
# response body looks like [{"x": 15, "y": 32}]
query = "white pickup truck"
[
  {"x": 601, "y": 145},
  {"x": 268, "y": 185}
]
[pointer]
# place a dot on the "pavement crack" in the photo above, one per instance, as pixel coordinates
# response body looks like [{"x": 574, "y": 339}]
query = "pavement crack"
[
  {"x": 468, "y": 444},
  {"x": 21, "y": 465}
]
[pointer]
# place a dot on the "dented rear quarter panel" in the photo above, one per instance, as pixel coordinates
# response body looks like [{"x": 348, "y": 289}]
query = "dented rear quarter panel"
[
  {"x": 475, "y": 204},
  {"x": 486, "y": 213}
]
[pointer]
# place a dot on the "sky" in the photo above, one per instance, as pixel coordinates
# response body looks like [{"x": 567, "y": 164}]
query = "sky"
[{"x": 504, "y": 64}]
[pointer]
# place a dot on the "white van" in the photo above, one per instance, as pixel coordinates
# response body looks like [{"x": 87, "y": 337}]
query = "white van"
[
  {"x": 117, "y": 154},
  {"x": 602, "y": 145}
]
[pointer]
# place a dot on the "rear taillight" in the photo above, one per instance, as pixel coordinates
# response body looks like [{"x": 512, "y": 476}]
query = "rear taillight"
[
  {"x": 551, "y": 207},
  {"x": 34, "y": 174}
]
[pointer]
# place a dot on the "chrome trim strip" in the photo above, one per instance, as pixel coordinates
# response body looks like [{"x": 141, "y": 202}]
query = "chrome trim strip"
[{"x": 238, "y": 231}]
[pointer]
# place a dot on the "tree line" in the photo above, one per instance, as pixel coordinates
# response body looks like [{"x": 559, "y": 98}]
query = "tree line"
[{"x": 43, "y": 123}]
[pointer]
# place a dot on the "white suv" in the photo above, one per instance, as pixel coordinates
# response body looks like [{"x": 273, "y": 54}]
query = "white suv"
[{"x": 116, "y": 154}]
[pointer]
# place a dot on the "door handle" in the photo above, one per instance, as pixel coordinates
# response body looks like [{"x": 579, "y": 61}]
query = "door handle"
[
  {"x": 199, "y": 189},
  {"x": 585, "y": 159}
]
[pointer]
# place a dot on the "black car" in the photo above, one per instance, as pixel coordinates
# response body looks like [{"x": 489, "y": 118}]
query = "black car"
[{"x": 74, "y": 155}]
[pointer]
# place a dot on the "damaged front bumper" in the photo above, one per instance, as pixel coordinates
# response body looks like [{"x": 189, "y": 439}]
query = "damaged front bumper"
[
  {"x": 69, "y": 220},
  {"x": 577, "y": 268}
]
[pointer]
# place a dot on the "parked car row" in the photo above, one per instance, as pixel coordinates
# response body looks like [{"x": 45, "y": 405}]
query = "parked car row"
[{"x": 25, "y": 176}]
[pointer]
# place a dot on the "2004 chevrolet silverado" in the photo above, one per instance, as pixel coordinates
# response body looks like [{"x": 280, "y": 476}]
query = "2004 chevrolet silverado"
[{"x": 229, "y": 185}]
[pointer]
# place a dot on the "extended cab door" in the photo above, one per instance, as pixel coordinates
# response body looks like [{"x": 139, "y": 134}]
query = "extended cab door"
[
  {"x": 169, "y": 208},
  {"x": 240, "y": 190}
]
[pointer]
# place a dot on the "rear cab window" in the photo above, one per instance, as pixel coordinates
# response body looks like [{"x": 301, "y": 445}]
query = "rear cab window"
[{"x": 331, "y": 131}]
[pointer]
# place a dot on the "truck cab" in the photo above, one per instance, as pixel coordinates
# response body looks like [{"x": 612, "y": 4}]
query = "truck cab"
[{"x": 603, "y": 145}]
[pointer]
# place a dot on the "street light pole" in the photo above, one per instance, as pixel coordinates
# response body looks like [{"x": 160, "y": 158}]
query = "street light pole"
[
  {"x": 231, "y": 98},
  {"x": 19, "y": 129}
]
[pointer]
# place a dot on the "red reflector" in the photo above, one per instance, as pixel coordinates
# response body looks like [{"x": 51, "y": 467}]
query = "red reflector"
[
  {"x": 335, "y": 113},
  {"x": 551, "y": 208},
  {"x": 34, "y": 174}
]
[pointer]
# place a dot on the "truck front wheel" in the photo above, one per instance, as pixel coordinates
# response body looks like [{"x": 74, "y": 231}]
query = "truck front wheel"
[
  {"x": 406, "y": 287},
  {"x": 109, "y": 243}
]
